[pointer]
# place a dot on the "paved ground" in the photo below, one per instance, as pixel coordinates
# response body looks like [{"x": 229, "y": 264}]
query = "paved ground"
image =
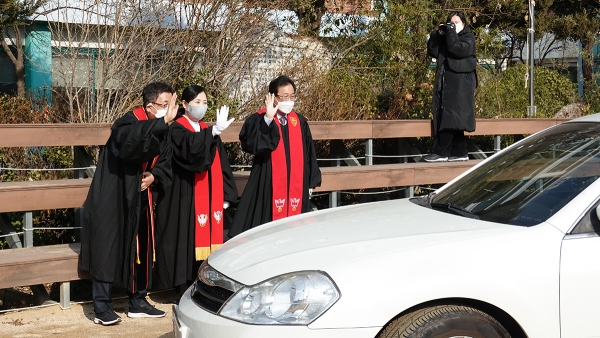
[{"x": 78, "y": 321}]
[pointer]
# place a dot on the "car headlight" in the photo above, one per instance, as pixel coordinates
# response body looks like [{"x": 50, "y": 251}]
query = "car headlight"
[
  {"x": 294, "y": 298},
  {"x": 212, "y": 277}
]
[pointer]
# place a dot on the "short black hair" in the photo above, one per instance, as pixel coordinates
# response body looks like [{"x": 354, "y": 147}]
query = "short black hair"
[
  {"x": 280, "y": 81},
  {"x": 152, "y": 90},
  {"x": 461, "y": 15}
]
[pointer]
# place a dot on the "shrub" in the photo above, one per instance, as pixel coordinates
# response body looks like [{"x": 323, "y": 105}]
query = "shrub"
[
  {"x": 505, "y": 95},
  {"x": 15, "y": 110}
]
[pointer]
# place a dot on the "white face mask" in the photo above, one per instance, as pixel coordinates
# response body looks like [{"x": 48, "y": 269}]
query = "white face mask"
[
  {"x": 197, "y": 112},
  {"x": 160, "y": 112},
  {"x": 286, "y": 106},
  {"x": 459, "y": 27}
]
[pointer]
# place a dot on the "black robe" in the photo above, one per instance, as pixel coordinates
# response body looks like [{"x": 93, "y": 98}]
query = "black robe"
[
  {"x": 193, "y": 152},
  {"x": 260, "y": 139},
  {"x": 113, "y": 208},
  {"x": 455, "y": 80}
]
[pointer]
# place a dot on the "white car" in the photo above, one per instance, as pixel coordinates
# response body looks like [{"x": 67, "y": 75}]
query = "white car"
[{"x": 510, "y": 248}]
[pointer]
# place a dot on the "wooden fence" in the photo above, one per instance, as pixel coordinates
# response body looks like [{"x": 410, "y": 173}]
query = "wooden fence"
[{"x": 58, "y": 263}]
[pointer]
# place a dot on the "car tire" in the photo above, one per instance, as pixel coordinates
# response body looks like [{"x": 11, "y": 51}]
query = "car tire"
[{"x": 444, "y": 321}]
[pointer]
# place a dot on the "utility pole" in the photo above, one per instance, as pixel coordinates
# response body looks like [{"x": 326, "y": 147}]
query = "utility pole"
[{"x": 531, "y": 109}]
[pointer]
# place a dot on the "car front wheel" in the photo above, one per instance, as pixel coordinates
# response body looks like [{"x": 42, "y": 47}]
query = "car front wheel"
[{"x": 445, "y": 321}]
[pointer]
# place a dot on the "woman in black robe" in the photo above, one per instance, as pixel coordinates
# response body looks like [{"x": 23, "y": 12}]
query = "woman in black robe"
[
  {"x": 193, "y": 153},
  {"x": 453, "y": 46}
]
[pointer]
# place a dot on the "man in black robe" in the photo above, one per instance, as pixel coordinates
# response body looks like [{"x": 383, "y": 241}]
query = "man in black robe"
[
  {"x": 117, "y": 239},
  {"x": 260, "y": 136}
]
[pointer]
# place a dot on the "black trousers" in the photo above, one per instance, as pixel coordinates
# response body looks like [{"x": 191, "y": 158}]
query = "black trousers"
[
  {"x": 102, "y": 291},
  {"x": 450, "y": 142},
  {"x": 102, "y": 297}
]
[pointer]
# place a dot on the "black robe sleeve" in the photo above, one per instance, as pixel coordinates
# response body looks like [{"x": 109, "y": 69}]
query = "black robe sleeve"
[
  {"x": 192, "y": 150},
  {"x": 258, "y": 138},
  {"x": 314, "y": 176},
  {"x": 136, "y": 141},
  {"x": 229, "y": 187},
  {"x": 433, "y": 44},
  {"x": 460, "y": 46}
]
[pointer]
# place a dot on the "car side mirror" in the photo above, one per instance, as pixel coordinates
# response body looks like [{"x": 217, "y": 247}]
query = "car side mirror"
[{"x": 598, "y": 211}]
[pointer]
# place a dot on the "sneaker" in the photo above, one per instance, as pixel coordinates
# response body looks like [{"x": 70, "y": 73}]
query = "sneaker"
[
  {"x": 145, "y": 312},
  {"x": 458, "y": 158},
  {"x": 435, "y": 158},
  {"x": 107, "y": 318}
]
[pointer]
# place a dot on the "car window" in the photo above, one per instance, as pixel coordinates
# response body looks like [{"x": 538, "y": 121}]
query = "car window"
[
  {"x": 589, "y": 223},
  {"x": 530, "y": 182}
]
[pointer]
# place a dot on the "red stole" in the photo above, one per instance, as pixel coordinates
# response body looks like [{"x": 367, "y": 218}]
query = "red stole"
[
  {"x": 287, "y": 202},
  {"x": 208, "y": 203},
  {"x": 140, "y": 114}
]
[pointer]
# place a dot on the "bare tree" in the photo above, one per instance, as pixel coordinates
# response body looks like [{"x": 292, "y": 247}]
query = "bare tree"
[
  {"x": 14, "y": 16},
  {"x": 105, "y": 51}
]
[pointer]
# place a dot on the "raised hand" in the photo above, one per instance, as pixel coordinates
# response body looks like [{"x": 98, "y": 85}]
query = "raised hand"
[
  {"x": 271, "y": 108},
  {"x": 172, "y": 110},
  {"x": 222, "y": 122}
]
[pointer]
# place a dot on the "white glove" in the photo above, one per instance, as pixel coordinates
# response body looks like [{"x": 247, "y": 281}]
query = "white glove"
[
  {"x": 225, "y": 205},
  {"x": 222, "y": 122}
]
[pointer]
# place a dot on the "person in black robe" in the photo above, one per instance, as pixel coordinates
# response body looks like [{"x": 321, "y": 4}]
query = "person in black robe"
[
  {"x": 454, "y": 88},
  {"x": 193, "y": 153},
  {"x": 260, "y": 136},
  {"x": 117, "y": 227}
]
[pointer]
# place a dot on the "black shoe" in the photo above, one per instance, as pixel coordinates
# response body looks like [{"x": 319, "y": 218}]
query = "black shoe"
[
  {"x": 107, "y": 318},
  {"x": 435, "y": 158},
  {"x": 458, "y": 158},
  {"x": 145, "y": 312}
]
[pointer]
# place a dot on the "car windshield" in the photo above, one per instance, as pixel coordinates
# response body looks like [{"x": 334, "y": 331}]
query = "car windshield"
[{"x": 529, "y": 183}]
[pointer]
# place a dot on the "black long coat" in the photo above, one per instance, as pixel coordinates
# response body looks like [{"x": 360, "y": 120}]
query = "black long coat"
[
  {"x": 193, "y": 152},
  {"x": 112, "y": 210},
  {"x": 455, "y": 80},
  {"x": 260, "y": 139}
]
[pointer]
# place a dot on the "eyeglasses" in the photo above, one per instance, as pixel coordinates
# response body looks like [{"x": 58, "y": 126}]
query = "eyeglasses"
[
  {"x": 286, "y": 98},
  {"x": 161, "y": 105}
]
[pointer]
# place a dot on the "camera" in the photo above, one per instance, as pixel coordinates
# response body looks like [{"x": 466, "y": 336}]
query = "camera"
[{"x": 446, "y": 28}]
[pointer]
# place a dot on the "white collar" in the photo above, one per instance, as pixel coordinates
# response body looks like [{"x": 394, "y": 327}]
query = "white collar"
[{"x": 195, "y": 124}]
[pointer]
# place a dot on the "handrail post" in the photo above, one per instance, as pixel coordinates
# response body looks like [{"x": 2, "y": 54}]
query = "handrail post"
[
  {"x": 333, "y": 199},
  {"x": 65, "y": 295},
  {"x": 28, "y": 229},
  {"x": 333, "y": 196},
  {"x": 369, "y": 152},
  {"x": 409, "y": 191},
  {"x": 497, "y": 143}
]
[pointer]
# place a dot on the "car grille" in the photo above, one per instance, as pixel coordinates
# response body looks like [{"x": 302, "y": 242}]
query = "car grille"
[{"x": 208, "y": 297}]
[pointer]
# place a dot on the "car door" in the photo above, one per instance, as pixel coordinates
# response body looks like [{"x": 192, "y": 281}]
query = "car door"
[{"x": 580, "y": 278}]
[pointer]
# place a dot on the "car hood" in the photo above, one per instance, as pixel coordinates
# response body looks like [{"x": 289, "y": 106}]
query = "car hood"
[{"x": 339, "y": 234}]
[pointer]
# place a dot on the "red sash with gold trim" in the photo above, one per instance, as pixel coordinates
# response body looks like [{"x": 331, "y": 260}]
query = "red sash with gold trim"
[
  {"x": 287, "y": 201},
  {"x": 140, "y": 114},
  {"x": 208, "y": 203}
]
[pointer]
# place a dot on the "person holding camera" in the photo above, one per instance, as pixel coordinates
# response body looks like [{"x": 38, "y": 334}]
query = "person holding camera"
[{"x": 453, "y": 46}]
